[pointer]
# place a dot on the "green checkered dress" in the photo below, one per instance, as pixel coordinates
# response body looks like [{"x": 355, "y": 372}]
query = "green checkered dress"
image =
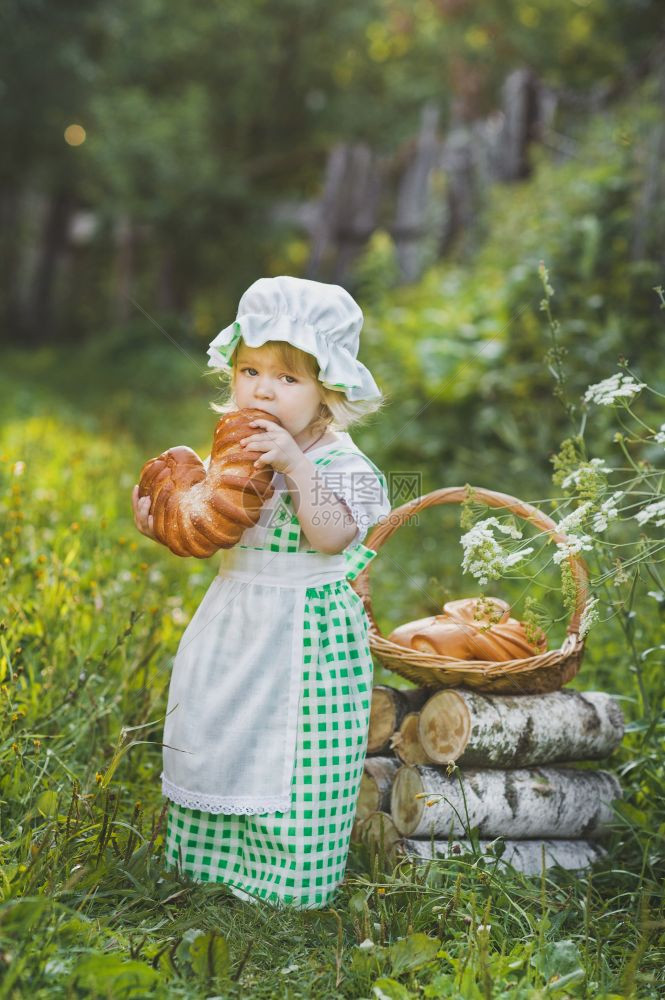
[{"x": 297, "y": 858}]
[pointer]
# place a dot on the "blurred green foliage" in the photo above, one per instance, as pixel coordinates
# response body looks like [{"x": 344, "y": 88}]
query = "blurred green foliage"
[{"x": 198, "y": 120}]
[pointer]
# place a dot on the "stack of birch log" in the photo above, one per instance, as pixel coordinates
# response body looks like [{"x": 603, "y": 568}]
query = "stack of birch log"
[{"x": 505, "y": 785}]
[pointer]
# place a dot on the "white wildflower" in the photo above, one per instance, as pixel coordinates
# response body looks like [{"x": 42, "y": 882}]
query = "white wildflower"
[
  {"x": 618, "y": 386},
  {"x": 573, "y": 478},
  {"x": 155, "y": 575},
  {"x": 589, "y": 616},
  {"x": 659, "y": 436},
  {"x": 178, "y": 616},
  {"x": 507, "y": 529},
  {"x": 483, "y": 556},
  {"x": 515, "y": 557},
  {"x": 650, "y": 511},
  {"x": 493, "y": 522},
  {"x": 366, "y": 945},
  {"x": 608, "y": 511},
  {"x": 88, "y": 511},
  {"x": 572, "y": 545},
  {"x": 575, "y": 518},
  {"x": 18, "y": 468},
  {"x": 288, "y": 969}
]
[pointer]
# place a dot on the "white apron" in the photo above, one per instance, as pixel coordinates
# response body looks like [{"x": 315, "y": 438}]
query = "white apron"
[
  {"x": 239, "y": 731},
  {"x": 232, "y": 714}
]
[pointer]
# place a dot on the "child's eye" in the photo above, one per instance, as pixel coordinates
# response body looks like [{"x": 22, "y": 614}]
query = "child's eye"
[{"x": 249, "y": 370}]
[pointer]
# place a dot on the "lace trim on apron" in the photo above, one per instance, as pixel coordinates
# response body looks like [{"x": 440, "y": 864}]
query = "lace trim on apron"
[{"x": 218, "y": 803}]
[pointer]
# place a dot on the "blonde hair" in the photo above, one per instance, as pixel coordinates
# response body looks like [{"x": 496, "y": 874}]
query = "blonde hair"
[{"x": 336, "y": 412}]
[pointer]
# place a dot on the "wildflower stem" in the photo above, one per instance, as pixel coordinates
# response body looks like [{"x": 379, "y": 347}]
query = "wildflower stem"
[
  {"x": 648, "y": 387},
  {"x": 555, "y": 355},
  {"x": 639, "y": 421},
  {"x": 653, "y": 573},
  {"x": 628, "y": 456},
  {"x": 629, "y": 633}
]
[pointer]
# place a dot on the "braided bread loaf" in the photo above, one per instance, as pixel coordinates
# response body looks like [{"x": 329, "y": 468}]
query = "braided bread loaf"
[
  {"x": 195, "y": 512},
  {"x": 471, "y": 629}
]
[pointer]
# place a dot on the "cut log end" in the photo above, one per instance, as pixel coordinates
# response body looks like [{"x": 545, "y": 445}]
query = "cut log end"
[
  {"x": 407, "y": 801},
  {"x": 368, "y": 797},
  {"x": 445, "y": 727},
  {"x": 378, "y": 831},
  {"x": 383, "y": 718},
  {"x": 406, "y": 741},
  {"x": 389, "y": 706},
  {"x": 375, "y": 786}
]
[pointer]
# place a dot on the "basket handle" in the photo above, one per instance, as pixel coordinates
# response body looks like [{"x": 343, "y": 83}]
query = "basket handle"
[{"x": 456, "y": 494}]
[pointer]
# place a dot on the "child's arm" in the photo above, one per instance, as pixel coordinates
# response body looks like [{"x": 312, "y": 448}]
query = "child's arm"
[
  {"x": 325, "y": 520},
  {"x": 327, "y": 523}
]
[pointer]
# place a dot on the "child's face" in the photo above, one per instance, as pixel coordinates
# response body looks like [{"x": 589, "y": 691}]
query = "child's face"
[{"x": 262, "y": 381}]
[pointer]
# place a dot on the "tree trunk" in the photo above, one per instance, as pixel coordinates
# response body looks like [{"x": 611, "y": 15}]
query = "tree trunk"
[
  {"x": 375, "y": 786},
  {"x": 548, "y": 802},
  {"x": 525, "y": 856},
  {"x": 123, "y": 277},
  {"x": 389, "y": 706},
  {"x": 413, "y": 209},
  {"x": 11, "y": 253},
  {"x": 646, "y": 235},
  {"x": 519, "y": 730},
  {"x": 348, "y": 209},
  {"x": 406, "y": 741},
  {"x": 42, "y": 322},
  {"x": 463, "y": 184},
  {"x": 520, "y": 99}
]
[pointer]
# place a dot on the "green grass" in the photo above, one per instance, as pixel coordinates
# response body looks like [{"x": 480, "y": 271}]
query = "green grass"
[{"x": 91, "y": 613}]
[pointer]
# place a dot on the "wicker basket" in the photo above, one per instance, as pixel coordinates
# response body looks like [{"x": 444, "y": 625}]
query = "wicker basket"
[{"x": 536, "y": 674}]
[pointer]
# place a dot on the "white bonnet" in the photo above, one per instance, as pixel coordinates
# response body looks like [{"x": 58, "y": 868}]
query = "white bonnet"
[{"x": 321, "y": 319}]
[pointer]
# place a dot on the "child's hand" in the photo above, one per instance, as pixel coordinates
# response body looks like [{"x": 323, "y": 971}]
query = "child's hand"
[
  {"x": 143, "y": 519},
  {"x": 280, "y": 450}
]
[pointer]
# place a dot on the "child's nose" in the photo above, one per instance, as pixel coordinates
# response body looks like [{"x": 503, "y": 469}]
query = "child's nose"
[{"x": 264, "y": 387}]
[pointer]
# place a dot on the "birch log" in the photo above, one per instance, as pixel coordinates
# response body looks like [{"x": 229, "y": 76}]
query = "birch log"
[
  {"x": 378, "y": 830},
  {"x": 389, "y": 706},
  {"x": 406, "y": 742},
  {"x": 519, "y": 730},
  {"x": 524, "y": 856},
  {"x": 546, "y": 802},
  {"x": 375, "y": 786}
]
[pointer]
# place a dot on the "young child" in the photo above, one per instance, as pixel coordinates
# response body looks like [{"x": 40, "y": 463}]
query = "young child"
[{"x": 268, "y": 708}]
